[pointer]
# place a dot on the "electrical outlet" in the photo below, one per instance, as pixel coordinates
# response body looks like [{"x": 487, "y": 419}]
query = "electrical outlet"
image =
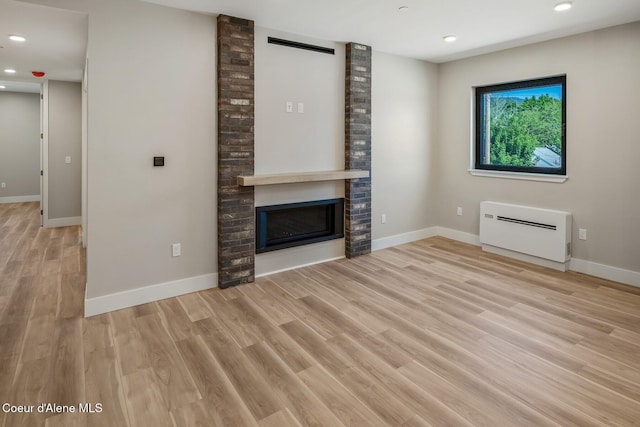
[
  {"x": 289, "y": 107},
  {"x": 582, "y": 234},
  {"x": 3, "y": 185},
  {"x": 459, "y": 211},
  {"x": 383, "y": 218},
  {"x": 176, "y": 249},
  {"x": 67, "y": 160}
]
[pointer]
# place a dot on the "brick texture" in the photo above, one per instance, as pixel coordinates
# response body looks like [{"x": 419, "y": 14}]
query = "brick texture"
[
  {"x": 358, "y": 149},
  {"x": 236, "y": 224}
]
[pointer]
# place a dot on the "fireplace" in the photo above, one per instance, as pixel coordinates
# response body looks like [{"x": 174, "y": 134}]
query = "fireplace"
[{"x": 296, "y": 224}]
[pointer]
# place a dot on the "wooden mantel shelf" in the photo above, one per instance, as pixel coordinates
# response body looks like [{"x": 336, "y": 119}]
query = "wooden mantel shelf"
[{"x": 292, "y": 178}]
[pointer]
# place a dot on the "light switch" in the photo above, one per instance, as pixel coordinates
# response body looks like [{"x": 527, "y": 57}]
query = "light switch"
[
  {"x": 289, "y": 107},
  {"x": 67, "y": 160},
  {"x": 300, "y": 107}
]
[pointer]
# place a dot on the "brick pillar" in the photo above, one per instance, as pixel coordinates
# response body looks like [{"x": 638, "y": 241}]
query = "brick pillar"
[
  {"x": 358, "y": 149},
  {"x": 236, "y": 224}
]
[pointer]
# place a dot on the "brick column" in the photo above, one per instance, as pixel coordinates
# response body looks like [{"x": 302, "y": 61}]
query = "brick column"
[
  {"x": 236, "y": 224},
  {"x": 358, "y": 149}
]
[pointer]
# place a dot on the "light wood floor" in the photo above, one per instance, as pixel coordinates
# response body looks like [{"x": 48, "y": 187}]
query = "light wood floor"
[{"x": 430, "y": 333}]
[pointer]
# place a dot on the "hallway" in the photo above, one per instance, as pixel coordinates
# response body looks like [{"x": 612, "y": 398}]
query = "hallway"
[{"x": 42, "y": 277}]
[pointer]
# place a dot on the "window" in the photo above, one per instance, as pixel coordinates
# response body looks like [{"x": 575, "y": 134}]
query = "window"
[{"x": 520, "y": 126}]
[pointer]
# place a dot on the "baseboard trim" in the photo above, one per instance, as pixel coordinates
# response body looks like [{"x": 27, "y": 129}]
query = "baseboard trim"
[
  {"x": 399, "y": 239},
  {"x": 299, "y": 266},
  {"x": 147, "y": 294},
  {"x": 628, "y": 277},
  {"x": 63, "y": 222},
  {"x": 460, "y": 236},
  {"x": 19, "y": 199}
]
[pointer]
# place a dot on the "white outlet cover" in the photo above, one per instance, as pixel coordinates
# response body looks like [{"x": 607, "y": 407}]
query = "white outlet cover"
[
  {"x": 176, "y": 249},
  {"x": 300, "y": 107},
  {"x": 67, "y": 160}
]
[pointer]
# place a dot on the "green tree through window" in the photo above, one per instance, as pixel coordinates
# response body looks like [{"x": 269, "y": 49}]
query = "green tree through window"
[{"x": 520, "y": 126}]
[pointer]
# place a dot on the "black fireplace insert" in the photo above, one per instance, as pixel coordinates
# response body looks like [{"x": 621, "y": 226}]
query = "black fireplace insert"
[{"x": 296, "y": 224}]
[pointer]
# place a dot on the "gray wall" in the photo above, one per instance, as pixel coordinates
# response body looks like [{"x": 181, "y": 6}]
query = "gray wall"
[
  {"x": 603, "y": 148},
  {"x": 65, "y": 139},
  {"x": 151, "y": 92},
  {"x": 403, "y": 119},
  {"x": 135, "y": 211},
  {"x": 19, "y": 144}
]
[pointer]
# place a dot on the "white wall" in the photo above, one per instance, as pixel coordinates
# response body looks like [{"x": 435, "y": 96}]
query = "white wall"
[
  {"x": 298, "y": 142},
  {"x": 64, "y": 140},
  {"x": 603, "y": 107},
  {"x": 151, "y": 92},
  {"x": 19, "y": 145},
  {"x": 403, "y": 116}
]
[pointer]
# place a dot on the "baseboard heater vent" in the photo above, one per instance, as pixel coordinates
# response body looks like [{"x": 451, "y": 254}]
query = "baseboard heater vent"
[
  {"x": 528, "y": 233},
  {"x": 529, "y": 223},
  {"x": 298, "y": 45}
]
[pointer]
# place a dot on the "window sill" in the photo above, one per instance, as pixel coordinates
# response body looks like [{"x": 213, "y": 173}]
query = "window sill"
[{"x": 520, "y": 175}]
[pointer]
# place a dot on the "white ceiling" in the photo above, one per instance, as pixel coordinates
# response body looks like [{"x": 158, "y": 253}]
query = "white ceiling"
[
  {"x": 56, "y": 43},
  {"x": 480, "y": 25},
  {"x": 57, "y": 39},
  {"x": 16, "y": 86}
]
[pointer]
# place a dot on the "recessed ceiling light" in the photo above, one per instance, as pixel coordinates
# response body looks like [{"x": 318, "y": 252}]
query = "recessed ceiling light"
[
  {"x": 9, "y": 71},
  {"x": 561, "y": 7},
  {"x": 403, "y": 8},
  {"x": 450, "y": 38},
  {"x": 17, "y": 38}
]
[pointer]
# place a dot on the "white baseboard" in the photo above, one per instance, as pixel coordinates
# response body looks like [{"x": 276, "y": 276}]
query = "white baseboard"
[
  {"x": 63, "y": 222},
  {"x": 133, "y": 297},
  {"x": 298, "y": 266},
  {"x": 460, "y": 236},
  {"x": 603, "y": 271},
  {"x": 399, "y": 239},
  {"x": 20, "y": 199}
]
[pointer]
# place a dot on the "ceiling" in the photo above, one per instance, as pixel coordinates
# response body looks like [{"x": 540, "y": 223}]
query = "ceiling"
[
  {"x": 57, "y": 39},
  {"x": 17, "y": 86},
  {"x": 56, "y": 44},
  {"x": 481, "y": 25}
]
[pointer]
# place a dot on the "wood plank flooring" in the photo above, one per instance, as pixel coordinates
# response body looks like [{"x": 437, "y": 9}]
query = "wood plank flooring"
[{"x": 432, "y": 333}]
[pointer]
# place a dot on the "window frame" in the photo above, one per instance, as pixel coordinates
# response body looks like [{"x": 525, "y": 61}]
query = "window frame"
[{"x": 478, "y": 93}]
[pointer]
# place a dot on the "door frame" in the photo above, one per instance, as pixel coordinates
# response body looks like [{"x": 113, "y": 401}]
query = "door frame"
[
  {"x": 41, "y": 154},
  {"x": 44, "y": 166}
]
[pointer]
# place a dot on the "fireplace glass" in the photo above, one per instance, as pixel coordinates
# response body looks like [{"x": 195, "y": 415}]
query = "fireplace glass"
[{"x": 295, "y": 224}]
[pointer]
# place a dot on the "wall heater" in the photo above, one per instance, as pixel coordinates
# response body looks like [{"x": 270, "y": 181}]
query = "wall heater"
[{"x": 541, "y": 236}]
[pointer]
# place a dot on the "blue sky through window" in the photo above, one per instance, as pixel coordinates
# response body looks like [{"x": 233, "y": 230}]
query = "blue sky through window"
[{"x": 554, "y": 91}]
